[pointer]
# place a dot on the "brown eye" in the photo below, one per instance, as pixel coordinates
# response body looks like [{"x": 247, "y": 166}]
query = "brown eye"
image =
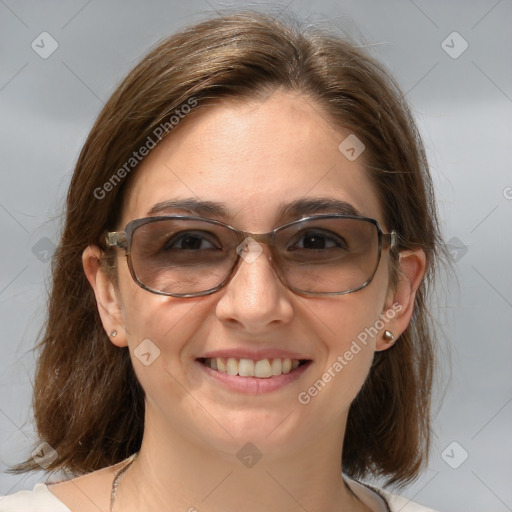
[
  {"x": 317, "y": 240},
  {"x": 192, "y": 241}
]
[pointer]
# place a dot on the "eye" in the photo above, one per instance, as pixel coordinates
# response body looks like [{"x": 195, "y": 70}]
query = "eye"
[
  {"x": 192, "y": 241},
  {"x": 317, "y": 240}
]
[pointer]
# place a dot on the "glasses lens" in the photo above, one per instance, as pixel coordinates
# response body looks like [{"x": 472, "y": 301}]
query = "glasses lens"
[
  {"x": 182, "y": 256},
  {"x": 328, "y": 255},
  {"x": 320, "y": 255}
]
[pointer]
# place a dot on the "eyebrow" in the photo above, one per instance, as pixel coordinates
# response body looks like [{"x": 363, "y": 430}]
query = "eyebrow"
[
  {"x": 295, "y": 209},
  {"x": 192, "y": 206},
  {"x": 308, "y": 206}
]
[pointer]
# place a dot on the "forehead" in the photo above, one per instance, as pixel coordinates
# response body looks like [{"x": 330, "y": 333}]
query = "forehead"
[{"x": 250, "y": 159}]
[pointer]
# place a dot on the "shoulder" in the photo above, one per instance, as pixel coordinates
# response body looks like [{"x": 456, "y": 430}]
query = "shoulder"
[
  {"x": 86, "y": 493},
  {"x": 378, "y": 500},
  {"x": 39, "y": 499},
  {"x": 399, "y": 503}
]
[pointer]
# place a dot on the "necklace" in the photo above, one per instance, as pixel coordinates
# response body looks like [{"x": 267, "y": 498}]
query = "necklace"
[{"x": 117, "y": 479}]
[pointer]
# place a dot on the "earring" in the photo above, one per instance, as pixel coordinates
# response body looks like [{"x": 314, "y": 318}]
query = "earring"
[
  {"x": 388, "y": 336},
  {"x": 113, "y": 333}
]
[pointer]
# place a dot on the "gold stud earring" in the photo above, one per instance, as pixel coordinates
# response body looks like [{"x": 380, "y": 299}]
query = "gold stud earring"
[
  {"x": 388, "y": 336},
  {"x": 113, "y": 333}
]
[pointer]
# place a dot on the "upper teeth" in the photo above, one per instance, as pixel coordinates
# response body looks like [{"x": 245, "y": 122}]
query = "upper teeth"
[{"x": 248, "y": 368}]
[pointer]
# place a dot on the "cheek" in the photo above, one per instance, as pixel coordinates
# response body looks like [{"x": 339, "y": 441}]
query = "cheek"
[
  {"x": 350, "y": 318},
  {"x": 158, "y": 331},
  {"x": 354, "y": 331},
  {"x": 348, "y": 328},
  {"x": 166, "y": 321}
]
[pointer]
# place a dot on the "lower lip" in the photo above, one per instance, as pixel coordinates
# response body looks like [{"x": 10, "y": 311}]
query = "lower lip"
[{"x": 255, "y": 385}]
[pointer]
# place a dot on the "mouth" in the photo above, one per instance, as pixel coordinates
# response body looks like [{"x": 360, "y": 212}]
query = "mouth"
[{"x": 261, "y": 369}]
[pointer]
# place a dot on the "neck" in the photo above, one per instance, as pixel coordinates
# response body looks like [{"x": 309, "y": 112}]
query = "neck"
[{"x": 182, "y": 475}]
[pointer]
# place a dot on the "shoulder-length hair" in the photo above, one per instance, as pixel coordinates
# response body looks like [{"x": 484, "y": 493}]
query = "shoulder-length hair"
[{"x": 88, "y": 404}]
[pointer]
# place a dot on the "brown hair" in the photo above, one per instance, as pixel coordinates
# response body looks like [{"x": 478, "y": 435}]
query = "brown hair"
[{"x": 88, "y": 404}]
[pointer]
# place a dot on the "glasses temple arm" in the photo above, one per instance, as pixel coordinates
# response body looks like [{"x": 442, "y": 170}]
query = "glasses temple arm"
[
  {"x": 391, "y": 239},
  {"x": 117, "y": 239}
]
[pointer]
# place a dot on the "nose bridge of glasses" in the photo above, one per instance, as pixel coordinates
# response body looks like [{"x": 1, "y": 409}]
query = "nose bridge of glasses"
[
  {"x": 261, "y": 238},
  {"x": 256, "y": 243},
  {"x": 255, "y": 255}
]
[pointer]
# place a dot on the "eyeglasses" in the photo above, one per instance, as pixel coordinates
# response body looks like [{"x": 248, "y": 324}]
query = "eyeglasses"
[{"x": 184, "y": 256}]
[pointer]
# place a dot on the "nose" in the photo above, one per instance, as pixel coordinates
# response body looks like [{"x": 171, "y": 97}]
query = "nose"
[{"x": 255, "y": 298}]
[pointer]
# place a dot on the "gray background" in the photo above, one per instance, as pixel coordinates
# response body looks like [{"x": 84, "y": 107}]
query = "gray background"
[{"x": 463, "y": 106}]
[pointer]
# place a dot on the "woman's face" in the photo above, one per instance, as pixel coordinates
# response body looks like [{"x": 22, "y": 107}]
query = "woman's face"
[{"x": 253, "y": 157}]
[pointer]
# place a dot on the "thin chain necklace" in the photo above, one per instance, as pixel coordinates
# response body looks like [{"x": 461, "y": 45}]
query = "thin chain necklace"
[{"x": 117, "y": 479}]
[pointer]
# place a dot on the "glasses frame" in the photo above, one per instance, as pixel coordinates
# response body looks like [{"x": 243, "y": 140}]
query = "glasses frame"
[{"x": 123, "y": 240}]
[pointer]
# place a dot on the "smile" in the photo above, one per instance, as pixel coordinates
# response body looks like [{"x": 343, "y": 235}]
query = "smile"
[{"x": 262, "y": 369}]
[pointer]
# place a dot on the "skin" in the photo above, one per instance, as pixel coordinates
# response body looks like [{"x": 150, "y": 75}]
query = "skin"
[{"x": 254, "y": 156}]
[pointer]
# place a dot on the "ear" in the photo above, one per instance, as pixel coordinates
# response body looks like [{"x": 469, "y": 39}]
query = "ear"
[
  {"x": 107, "y": 299},
  {"x": 400, "y": 301}
]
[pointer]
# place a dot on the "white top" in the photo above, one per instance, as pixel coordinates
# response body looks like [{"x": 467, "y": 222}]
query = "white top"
[{"x": 41, "y": 499}]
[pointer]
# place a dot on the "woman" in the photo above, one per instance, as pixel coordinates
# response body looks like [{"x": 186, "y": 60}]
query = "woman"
[{"x": 239, "y": 294}]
